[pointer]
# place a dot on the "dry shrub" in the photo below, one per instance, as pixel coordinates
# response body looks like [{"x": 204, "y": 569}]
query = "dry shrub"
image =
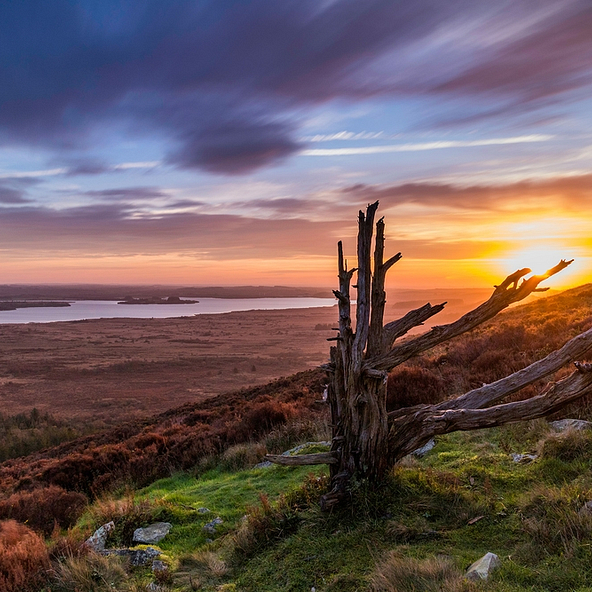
[
  {"x": 555, "y": 522},
  {"x": 294, "y": 432},
  {"x": 69, "y": 544},
  {"x": 242, "y": 456},
  {"x": 396, "y": 573},
  {"x": 413, "y": 385},
  {"x": 571, "y": 445},
  {"x": 42, "y": 509},
  {"x": 24, "y": 559},
  {"x": 211, "y": 563},
  {"x": 93, "y": 573},
  {"x": 262, "y": 417}
]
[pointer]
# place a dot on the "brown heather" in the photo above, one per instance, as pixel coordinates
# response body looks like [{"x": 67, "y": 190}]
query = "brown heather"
[{"x": 24, "y": 560}]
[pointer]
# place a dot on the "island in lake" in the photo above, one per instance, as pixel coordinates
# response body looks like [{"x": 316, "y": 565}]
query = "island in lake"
[
  {"x": 14, "y": 304},
  {"x": 156, "y": 300}
]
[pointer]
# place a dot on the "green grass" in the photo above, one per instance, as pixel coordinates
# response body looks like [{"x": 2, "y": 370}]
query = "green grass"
[
  {"x": 464, "y": 498},
  {"x": 226, "y": 494}
]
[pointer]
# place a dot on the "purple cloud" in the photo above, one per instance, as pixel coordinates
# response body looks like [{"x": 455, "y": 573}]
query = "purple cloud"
[{"x": 221, "y": 81}]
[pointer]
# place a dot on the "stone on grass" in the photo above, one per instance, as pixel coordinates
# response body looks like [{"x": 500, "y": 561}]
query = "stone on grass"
[
  {"x": 98, "y": 540},
  {"x": 203, "y": 510},
  {"x": 210, "y": 527},
  {"x": 158, "y": 565},
  {"x": 137, "y": 557},
  {"x": 423, "y": 450},
  {"x": 586, "y": 509},
  {"x": 153, "y": 533},
  {"x": 523, "y": 458},
  {"x": 574, "y": 424},
  {"x": 481, "y": 569}
]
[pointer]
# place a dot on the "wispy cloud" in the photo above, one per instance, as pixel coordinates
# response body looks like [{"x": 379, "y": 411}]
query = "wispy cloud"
[{"x": 415, "y": 147}]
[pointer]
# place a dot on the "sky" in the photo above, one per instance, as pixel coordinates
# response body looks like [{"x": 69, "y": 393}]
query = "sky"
[{"x": 233, "y": 142}]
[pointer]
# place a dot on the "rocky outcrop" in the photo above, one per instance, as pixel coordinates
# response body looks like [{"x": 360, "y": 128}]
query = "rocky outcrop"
[
  {"x": 98, "y": 540},
  {"x": 153, "y": 533}
]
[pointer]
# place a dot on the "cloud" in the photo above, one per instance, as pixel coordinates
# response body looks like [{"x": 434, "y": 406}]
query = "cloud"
[
  {"x": 123, "y": 230},
  {"x": 551, "y": 57},
  {"x": 562, "y": 194},
  {"x": 124, "y": 193},
  {"x": 10, "y": 195},
  {"x": 416, "y": 147},
  {"x": 220, "y": 82}
]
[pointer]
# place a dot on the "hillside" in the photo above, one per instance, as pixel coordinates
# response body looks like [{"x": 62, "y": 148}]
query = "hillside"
[{"x": 472, "y": 475}]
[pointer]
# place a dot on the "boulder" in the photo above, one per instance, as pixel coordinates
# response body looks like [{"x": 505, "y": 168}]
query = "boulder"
[
  {"x": 99, "y": 538},
  {"x": 561, "y": 425},
  {"x": 153, "y": 533},
  {"x": 481, "y": 569}
]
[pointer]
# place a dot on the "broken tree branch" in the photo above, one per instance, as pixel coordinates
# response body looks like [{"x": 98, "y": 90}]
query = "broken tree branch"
[
  {"x": 320, "y": 458},
  {"x": 414, "y": 318},
  {"x": 505, "y": 294},
  {"x": 496, "y": 391},
  {"x": 409, "y": 432}
]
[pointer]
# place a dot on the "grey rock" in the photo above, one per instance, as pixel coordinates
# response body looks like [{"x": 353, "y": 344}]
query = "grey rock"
[
  {"x": 137, "y": 557},
  {"x": 210, "y": 527},
  {"x": 523, "y": 458},
  {"x": 99, "y": 538},
  {"x": 586, "y": 509},
  {"x": 561, "y": 425},
  {"x": 423, "y": 450},
  {"x": 153, "y": 533},
  {"x": 158, "y": 565},
  {"x": 481, "y": 569},
  {"x": 263, "y": 465},
  {"x": 154, "y": 587},
  {"x": 203, "y": 510}
]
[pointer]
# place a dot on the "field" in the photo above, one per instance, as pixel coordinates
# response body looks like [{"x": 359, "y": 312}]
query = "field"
[
  {"x": 108, "y": 371},
  {"x": 116, "y": 369}
]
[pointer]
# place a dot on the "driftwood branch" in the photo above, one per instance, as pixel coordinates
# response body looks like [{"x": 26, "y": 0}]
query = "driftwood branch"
[
  {"x": 508, "y": 292},
  {"x": 320, "y": 458},
  {"x": 409, "y": 432},
  {"x": 496, "y": 391}
]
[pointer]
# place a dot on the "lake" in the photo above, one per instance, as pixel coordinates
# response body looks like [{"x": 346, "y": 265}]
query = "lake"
[{"x": 103, "y": 309}]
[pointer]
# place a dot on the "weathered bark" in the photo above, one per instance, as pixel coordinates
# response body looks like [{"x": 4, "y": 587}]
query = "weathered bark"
[{"x": 367, "y": 440}]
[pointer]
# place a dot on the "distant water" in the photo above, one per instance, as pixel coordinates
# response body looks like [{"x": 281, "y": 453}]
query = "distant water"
[{"x": 102, "y": 309}]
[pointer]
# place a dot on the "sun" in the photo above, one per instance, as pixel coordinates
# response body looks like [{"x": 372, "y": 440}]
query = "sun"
[{"x": 538, "y": 259}]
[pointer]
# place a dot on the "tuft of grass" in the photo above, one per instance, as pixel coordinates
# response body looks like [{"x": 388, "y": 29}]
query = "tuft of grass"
[
  {"x": 555, "y": 521},
  {"x": 93, "y": 573},
  {"x": 396, "y": 573}
]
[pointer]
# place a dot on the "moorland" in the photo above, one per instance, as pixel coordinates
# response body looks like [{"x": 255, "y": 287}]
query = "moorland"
[{"x": 432, "y": 517}]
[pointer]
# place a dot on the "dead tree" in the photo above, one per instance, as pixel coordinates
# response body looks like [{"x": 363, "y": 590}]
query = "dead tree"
[{"x": 367, "y": 439}]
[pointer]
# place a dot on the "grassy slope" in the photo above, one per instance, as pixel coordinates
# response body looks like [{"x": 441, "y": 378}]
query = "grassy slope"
[
  {"x": 465, "y": 498},
  {"x": 528, "y": 514}
]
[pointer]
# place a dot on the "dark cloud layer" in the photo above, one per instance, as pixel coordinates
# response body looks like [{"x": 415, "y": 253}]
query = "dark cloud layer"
[
  {"x": 562, "y": 193},
  {"x": 219, "y": 79},
  {"x": 111, "y": 229}
]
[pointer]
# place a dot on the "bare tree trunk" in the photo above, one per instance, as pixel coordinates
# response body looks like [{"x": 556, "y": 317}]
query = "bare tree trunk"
[{"x": 367, "y": 440}]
